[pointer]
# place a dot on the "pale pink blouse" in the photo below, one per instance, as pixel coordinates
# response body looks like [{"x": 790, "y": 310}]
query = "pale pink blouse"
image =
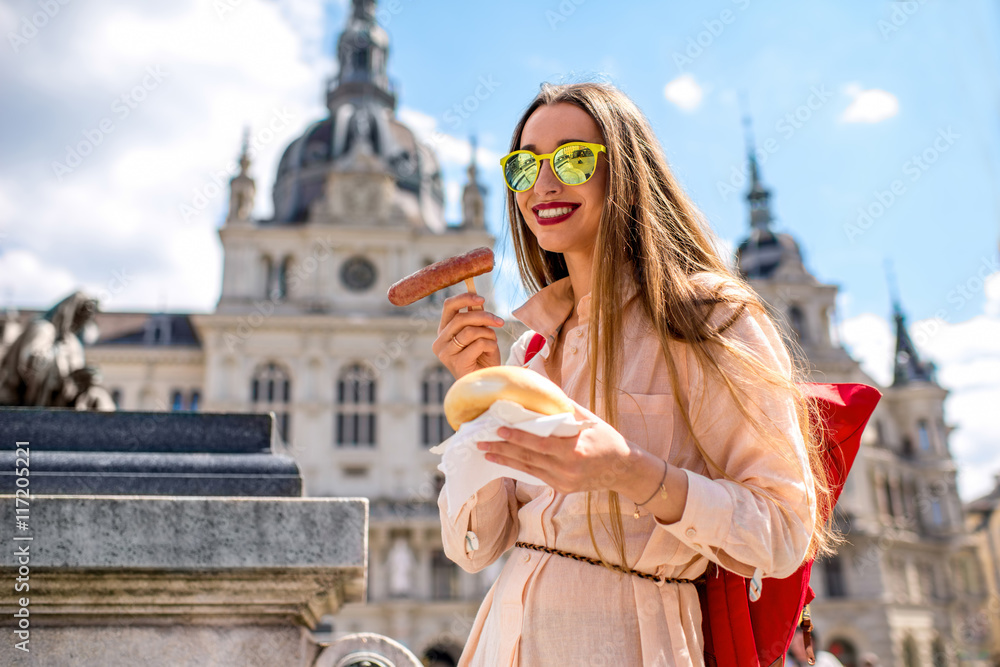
[{"x": 548, "y": 610}]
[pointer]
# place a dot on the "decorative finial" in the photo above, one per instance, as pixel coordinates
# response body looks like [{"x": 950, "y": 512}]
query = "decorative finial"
[
  {"x": 472, "y": 171},
  {"x": 245, "y": 152}
]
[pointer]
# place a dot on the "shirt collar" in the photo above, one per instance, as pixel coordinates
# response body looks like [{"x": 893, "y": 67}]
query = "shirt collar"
[{"x": 549, "y": 308}]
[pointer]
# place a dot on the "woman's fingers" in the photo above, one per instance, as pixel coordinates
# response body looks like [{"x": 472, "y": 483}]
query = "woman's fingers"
[
  {"x": 467, "y": 341},
  {"x": 453, "y": 304}
]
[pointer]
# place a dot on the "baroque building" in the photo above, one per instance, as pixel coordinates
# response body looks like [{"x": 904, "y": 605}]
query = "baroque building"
[
  {"x": 303, "y": 329},
  {"x": 906, "y": 585}
]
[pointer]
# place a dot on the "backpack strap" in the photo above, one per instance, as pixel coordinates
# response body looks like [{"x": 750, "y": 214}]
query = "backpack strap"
[
  {"x": 535, "y": 346},
  {"x": 807, "y": 638}
]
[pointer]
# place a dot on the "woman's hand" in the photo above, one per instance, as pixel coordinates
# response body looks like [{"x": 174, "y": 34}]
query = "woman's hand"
[
  {"x": 596, "y": 459},
  {"x": 466, "y": 341}
]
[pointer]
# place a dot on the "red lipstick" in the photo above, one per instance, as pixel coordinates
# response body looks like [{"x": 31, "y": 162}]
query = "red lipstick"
[{"x": 568, "y": 208}]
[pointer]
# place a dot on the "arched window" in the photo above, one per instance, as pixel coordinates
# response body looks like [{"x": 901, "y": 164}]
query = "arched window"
[
  {"x": 268, "y": 275},
  {"x": 355, "y": 413},
  {"x": 116, "y": 396},
  {"x": 444, "y": 577},
  {"x": 281, "y": 287},
  {"x": 195, "y": 400},
  {"x": 890, "y": 503},
  {"x": 908, "y": 451},
  {"x": 434, "y": 428},
  {"x": 270, "y": 391},
  {"x": 910, "y": 657},
  {"x": 923, "y": 436},
  {"x": 177, "y": 400},
  {"x": 833, "y": 571},
  {"x": 797, "y": 320}
]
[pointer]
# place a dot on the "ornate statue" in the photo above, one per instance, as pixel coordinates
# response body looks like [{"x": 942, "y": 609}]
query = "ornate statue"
[
  {"x": 401, "y": 563},
  {"x": 242, "y": 189},
  {"x": 45, "y": 365}
]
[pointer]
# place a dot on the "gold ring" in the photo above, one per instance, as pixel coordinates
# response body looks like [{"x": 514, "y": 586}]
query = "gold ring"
[{"x": 460, "y": 346}]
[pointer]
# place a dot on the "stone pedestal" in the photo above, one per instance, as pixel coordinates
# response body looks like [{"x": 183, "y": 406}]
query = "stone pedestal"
[
  {"x": 165, "y": 540},
  {"x": 178, "y": 581}
]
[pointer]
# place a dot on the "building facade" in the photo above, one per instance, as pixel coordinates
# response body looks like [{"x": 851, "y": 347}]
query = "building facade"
[
  {"x": 303, "y": 329},
  {"x": 906, "y": 585}
]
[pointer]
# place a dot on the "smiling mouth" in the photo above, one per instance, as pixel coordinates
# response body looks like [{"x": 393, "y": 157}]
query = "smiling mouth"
[{"x": 550, "y": 215}]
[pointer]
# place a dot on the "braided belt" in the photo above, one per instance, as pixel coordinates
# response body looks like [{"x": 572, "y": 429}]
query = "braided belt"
[{"x": 613, "y": 566}]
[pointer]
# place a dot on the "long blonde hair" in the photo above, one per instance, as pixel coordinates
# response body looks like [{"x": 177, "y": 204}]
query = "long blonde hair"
[{"x": 650, "y": 225}]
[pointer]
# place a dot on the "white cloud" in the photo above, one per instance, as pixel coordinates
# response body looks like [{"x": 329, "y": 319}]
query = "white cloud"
[
  {"x": 869, "y": 106},
  {"x": 262, "y": 65},
  {"x": 26, "y": 281},
  {"x": 967, "y": 356},
  {"x": 685, "y": 92},
  {"x": 870, "y": 340},
  {"x": 991, "y": 286},
  {"x": 453, "y": 153},
  {"x": 450, "y": 150}
]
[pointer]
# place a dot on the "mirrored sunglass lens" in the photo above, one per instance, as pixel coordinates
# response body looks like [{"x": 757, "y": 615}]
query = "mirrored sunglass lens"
[
  {"x": 519, "y": 171},
  {"x": 574, "y": 164}
]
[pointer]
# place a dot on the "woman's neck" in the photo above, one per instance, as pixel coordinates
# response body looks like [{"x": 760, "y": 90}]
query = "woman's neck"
[{"x": 580, "y": 269}]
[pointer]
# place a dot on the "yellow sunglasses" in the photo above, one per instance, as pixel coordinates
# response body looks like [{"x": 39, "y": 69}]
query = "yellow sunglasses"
[{"x": 573, "y": 163}]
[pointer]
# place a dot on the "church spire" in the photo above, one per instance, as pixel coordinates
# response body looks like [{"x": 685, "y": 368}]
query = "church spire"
[
  {"x": 473, "y": 207},
  {"x": 362, "y": 53},
  {"x": 907, "y": 365},
  {"x": 757, "y": 196}
]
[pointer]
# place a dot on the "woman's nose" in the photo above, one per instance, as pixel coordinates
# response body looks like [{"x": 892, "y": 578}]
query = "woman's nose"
[{"x": 546, "y": 181}]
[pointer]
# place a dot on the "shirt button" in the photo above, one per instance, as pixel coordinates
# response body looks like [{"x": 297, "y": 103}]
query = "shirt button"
[
  {"x": 690, "y": 532},
  {"x": 527, "y": 557},
  {"x": 572, "y": 350},
  {"x": 579, "y": 332}
]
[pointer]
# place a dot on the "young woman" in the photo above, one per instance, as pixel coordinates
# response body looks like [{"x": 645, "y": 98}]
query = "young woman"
[{"x": 702, "y": 449}]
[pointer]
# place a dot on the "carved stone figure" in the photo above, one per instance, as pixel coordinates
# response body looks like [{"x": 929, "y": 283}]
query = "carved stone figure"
[
  {"x": 45, "y": 366},
  {"x": 242, "y": 188},
  {"x": 401, "y": 563}
]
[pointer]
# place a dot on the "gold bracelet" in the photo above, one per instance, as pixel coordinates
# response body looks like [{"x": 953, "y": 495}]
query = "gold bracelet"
[{"x": 662, "y": 489}]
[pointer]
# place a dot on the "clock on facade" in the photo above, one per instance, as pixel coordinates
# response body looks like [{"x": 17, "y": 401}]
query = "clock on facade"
[{"x": 358, "y": 274}]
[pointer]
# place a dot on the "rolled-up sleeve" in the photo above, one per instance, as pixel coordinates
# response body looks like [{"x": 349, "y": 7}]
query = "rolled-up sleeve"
[
  {"x": 485, "y": 527},
  {"x": 765, "y": 518}
]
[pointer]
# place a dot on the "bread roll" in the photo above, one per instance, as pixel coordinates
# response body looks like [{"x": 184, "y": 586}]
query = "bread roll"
[{"x": 473, "y": 394}]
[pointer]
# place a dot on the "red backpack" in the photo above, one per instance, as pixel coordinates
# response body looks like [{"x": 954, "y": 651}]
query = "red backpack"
[{"x": 740, "y": 633}]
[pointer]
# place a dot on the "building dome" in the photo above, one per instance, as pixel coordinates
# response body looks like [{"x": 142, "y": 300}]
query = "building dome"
[
  {"x": 764, "y": 252},
  {"x": 362, "y": 105}
]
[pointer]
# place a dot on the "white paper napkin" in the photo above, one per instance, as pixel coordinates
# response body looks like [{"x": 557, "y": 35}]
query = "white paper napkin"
[{"x": 465, "y": 466}]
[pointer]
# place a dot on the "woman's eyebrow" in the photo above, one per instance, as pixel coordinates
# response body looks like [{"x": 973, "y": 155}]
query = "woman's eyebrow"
[{"x": 563, "y": 142}]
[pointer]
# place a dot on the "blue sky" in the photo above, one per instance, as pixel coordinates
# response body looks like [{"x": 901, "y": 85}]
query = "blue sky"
[{"x": 888, "y": 107}]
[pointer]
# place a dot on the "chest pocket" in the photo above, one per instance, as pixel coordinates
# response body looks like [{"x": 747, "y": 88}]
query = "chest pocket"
[{"x": 648, "y": 421}]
